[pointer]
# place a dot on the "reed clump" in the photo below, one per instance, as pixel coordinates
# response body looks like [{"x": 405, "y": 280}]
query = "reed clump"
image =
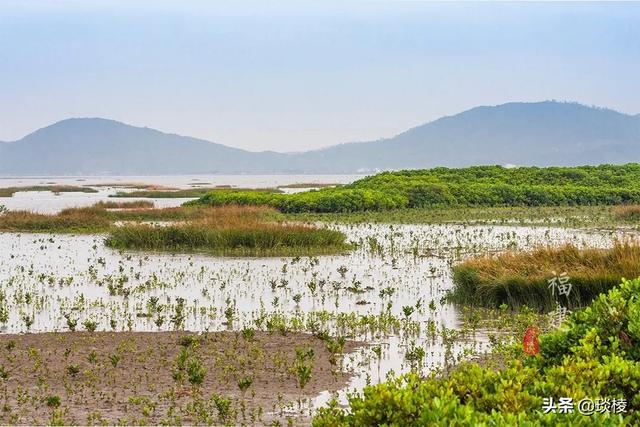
[
  {"x": 627, "y": 212},
  {"x": 96, "y": 218},
  {"x": 528, "y": 278},
  {"x": 68, "y": 220},
  {"x": 224, "y": 230},
  {"x": 229, "y": 230},
  {"x": 187, "y": 193},
  {"x": 136, "y": 204},
  {"x": 56, "y": 189}
]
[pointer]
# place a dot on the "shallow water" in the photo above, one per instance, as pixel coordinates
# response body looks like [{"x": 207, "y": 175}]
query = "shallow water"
[
  {"x": 47, "y": 202},
  {"x": 48, "y": 281},
  {"x": 45, "y": 277},
  {"x": 182, "y": 181}
]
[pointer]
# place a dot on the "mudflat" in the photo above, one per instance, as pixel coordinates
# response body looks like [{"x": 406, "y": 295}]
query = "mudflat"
[{"x": 94, "y": 378}]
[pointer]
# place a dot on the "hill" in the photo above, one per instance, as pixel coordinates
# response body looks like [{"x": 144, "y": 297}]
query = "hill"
[
  {"x": 527, "y": 134},
  {"x": 95, "y": 146},
  {"x": 542, "y": 134}
]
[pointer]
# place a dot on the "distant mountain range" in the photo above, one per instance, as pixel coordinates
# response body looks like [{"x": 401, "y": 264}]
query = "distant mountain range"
[{"x": 542, "y": 134}]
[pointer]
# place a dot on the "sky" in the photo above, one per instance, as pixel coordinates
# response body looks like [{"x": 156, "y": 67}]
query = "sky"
[{"x": 294, "y": 76}]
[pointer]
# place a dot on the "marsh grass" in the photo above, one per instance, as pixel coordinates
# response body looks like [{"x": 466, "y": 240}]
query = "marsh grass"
[
  {"x": 186, "y": 193},
  {"x": 67, "y": 221},
  {"x": 522, "y": 278},
  {"x": 570, "y": 216},
  {"x": 56, "y": 189},
  {"x": 230, "y": 231},
  {"x": 134, "y": 185},
  {"x": 137, "y": 204},
  {"x": 627, "y": 212},
  {"x": 94, "y": 219},
  {"x": 227, "y": 230}
]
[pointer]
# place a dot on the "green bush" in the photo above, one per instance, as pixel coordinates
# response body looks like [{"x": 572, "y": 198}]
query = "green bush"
[
  {"x": 473, "y": 186},
  {"x": 595, "y": 355},
  {"x": 326, "y": 200}
]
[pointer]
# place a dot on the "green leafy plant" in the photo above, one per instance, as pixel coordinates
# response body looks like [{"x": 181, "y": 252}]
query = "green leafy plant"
[
  {"x": 472, "y": 186},
  {"x": 196, "y": 372},
  {"x": 90, "y": 325},
  {"x": 595, "y": 354},
  {"x": 53, "y": 401}
]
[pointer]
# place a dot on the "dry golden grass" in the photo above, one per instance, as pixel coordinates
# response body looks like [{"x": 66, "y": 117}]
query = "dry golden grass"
[
  {"x": 9, "y": 191},
  {"x": 627, "y": 212},
  {"x": 98, "y": 218},
  {"x": 135, "y": 185},
  {"x": 231, "y": 230},
  {"x": 235, "y": 217},
  {"x": 541, "y": 261},
  {"x": 188, "y": 193},
  {"x": 136, "y": 204},
  {"x": 522, "y": 278},
  {"x": 237, "y": 230},
  {"x": 68, "y": 220}
]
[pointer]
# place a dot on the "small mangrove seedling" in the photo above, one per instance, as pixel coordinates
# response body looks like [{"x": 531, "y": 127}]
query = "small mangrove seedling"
[
  {"x": 71, "y": 323},
  {"x": 90, "y": 325},
  {"x": 223, "y": 406},
  {"x": 53, "y": 401},
  {"x": 243, "y": 384},
  {"x": 73, "y": 369},
  {"x": 248, "y": 334},
  {"x": 196, "y": 372},
  {"x": 115, "y": 359},
  {"x": 414, "y": 355}
]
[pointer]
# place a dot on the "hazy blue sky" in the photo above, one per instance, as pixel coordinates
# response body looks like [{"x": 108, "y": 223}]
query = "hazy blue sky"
[{"x": 293, "y": 76}]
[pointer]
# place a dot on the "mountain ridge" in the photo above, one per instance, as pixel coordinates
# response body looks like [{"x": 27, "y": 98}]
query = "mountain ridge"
[{"x": 541, "y": 133}]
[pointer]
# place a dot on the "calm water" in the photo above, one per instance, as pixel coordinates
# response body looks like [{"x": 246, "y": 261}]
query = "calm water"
[
  {"x": 47, "y": 202},
  {"x": 47, "y": 279}
]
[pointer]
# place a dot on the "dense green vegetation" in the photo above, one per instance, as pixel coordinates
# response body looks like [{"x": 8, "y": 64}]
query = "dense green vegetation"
[
  {"x": 594, "y": 355},
  {"x": 325, "y": 200},
  {"x": 520, "y": 278},
  {"x": 309, "y": 185},
  {"x": 473, "y": 186}
]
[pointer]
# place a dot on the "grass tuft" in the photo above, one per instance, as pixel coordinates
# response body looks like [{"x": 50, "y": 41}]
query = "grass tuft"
[
  {"x": 67, "y": 221},
  {"x": 230, "y": 230},
  {"x": 187, "y": 193},
  {"x": 627, "y": 212},
  {"x": 137, "y": 204},
  {"x": 226, "y": 230},
  {"x": 10, "y": 191},
  {"x": 522, "y": 278}
]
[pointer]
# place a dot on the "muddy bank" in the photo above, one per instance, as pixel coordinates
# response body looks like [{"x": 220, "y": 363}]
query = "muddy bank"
[{"x": 163, "y": 377}]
